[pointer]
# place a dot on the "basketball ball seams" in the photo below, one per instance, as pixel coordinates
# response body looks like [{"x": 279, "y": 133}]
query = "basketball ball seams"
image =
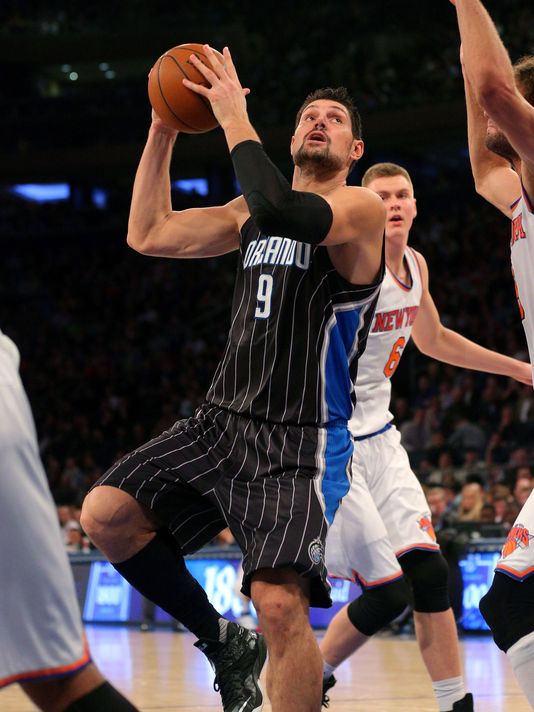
[
  {"x": 198, "y": 54},
  {"x": 176, "y": 116},
  {"x": 172, "y": 100}
]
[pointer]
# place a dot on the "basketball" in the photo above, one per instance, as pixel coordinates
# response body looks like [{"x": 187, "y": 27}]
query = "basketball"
[{"x": 176, "y": 105}]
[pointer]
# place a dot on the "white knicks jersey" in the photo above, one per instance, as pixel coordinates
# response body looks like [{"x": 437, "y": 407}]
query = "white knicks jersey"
[
  {"x": 390, "y": 331},
  {"x": 522, "y": 252}
]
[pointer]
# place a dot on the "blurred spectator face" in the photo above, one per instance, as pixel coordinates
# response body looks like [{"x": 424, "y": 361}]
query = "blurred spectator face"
[
  {"x": 397, "y": 195},
  {"x": 64, "y": 513},
  {"x": 519, "y": 457},
  {"x": 445, "y": 461},
  {"x": 487, "y": 514},
  {"x": 471, "y": 496},
  {"x": 437, "y": 501},
  {"x": 522, "y": 490},
  {"x": 524, "y": 473},
  {"x": 500, "y": 506},
  {"x": 74, "y": 537},
  {"x": 512, "y": 510},
  {"x": 470, "y": 457}
]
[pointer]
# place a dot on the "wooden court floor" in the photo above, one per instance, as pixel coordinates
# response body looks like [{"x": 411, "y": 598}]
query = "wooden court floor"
[{"x": 163, "y": 671}]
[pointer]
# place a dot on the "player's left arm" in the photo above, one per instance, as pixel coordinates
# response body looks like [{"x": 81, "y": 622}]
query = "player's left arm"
[
  {"x": 490, "y": 73},
  {"x": 435, "y": 340}
]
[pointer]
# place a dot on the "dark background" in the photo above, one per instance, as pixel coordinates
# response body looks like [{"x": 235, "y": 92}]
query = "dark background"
[{"x": 116, "y": 346}]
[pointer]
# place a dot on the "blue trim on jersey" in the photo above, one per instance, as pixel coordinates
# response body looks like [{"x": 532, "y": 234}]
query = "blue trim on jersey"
[
  {"x": 372, "y": 435},
  {"x": 515, "y": 577},
  {"x": 338, "y": 382},
  {"x": 336, "y": 479}
]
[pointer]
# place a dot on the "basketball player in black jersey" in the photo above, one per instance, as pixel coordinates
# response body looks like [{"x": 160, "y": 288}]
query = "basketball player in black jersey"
[{"x": 268, "y": 453}]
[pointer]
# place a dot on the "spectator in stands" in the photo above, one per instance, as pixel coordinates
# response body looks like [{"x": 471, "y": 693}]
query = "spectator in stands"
[
  {"x": 416, "y": 432},
  {"x": 471, "y": 503}
]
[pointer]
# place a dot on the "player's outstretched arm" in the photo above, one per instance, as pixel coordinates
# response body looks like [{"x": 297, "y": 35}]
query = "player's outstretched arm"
[
  {"x": 494, "y": 178},
  {"x": 155, "y": 229},
  {"x": 491, "y": 76},
  {"x": 436, "y": 341}
]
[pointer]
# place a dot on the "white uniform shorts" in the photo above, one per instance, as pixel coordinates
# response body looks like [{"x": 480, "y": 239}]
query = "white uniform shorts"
[
  {"x": 40, "y": 627},
  {"x": 384, "y": 515},
  {"x": 517, "y": 555}
]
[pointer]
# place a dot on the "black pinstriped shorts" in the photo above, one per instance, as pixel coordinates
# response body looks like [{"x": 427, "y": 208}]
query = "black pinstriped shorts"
[{"x": 220, "y": 469}]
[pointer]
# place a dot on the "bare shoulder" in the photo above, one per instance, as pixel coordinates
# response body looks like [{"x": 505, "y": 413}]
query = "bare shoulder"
[
  {"x": 358, "y": 207},
  {"x": 422, "y": 263},
  {"x": 357, "y": 195},
  {"x": 420, "y": 258}
]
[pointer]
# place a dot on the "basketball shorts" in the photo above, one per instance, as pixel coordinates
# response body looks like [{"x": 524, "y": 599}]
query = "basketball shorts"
[
  {"x": 273, "y": 485},
  {"x": 40, "y": 627},
  {"x": 517, "y": 556},
  {"x": 384, "y": 515}
]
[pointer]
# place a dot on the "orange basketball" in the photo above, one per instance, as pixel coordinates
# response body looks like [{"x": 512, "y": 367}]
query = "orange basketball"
[{"x": 176, "y": 105}]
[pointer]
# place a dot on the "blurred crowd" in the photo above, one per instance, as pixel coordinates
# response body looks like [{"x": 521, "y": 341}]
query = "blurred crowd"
[
  {"x": 390, "y": 57},
  {"x": 116, "y": 347}
]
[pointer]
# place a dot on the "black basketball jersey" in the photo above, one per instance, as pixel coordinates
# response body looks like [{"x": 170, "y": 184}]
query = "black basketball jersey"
[{"x": 297, "y": 331}]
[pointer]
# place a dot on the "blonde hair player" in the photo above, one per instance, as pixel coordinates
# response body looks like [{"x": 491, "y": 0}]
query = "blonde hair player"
[
  {"x": 500, "y": 110},
  {"x": 42, "y": 645},
  {"x": 383, "y": 528}
]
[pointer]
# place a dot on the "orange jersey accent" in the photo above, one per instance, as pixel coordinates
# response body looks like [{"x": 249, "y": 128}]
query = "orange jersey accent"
[
  {"x": 518, "y": 537},
  {"x": 426, "y": 525}
]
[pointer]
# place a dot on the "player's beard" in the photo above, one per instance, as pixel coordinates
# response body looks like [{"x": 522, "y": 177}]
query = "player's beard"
[
  {"x": 317, "y": 161},
  {"x": 496, "y": 142}
]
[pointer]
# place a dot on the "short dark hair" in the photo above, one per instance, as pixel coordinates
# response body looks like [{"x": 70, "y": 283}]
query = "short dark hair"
[
  {"x": 524, "y": 76},
  {"x": 342, "y": 96}
]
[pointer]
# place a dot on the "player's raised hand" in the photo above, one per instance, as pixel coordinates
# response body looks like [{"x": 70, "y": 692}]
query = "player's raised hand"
[
  {"x": 158, "y": 124},
  {"x": 225, "y": 93}
]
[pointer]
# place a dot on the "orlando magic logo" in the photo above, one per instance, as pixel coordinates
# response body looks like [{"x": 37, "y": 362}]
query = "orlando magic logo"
[{"x": 316, "y": 551}]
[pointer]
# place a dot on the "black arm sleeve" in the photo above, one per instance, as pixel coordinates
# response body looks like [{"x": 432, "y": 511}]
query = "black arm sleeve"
[{"x": 274, "y": 206}]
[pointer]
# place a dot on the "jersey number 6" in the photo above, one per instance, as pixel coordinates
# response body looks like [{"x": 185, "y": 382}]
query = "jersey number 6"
[{"x": 394, "y": 357}]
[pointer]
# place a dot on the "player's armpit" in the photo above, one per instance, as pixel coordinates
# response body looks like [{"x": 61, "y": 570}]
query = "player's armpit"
[
  {"x": 196, "y": 232},
  {"x": 501, "y": 187}
]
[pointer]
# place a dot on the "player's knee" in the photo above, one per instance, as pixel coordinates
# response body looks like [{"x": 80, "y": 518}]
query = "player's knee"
[
  {"x": 377, "y": 607},
  {"x": 428, "y": 573},
  {"x": 107, "y": 512},
  {"x": 279, "y": 608},
  {"x": 508, "y": 609}
]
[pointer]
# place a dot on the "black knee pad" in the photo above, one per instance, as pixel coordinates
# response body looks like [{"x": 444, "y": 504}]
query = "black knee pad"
[
  {"x": 378, "y": 606},
  {"x": 428, "y": 573},
  {"x": 508, "y": 609}
]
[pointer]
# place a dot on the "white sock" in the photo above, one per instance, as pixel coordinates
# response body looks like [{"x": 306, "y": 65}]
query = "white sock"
[
  {"x": 448, "y": 692},
  {"x": 328, "y": 670},
  {"x": 521, "y": 656}
]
